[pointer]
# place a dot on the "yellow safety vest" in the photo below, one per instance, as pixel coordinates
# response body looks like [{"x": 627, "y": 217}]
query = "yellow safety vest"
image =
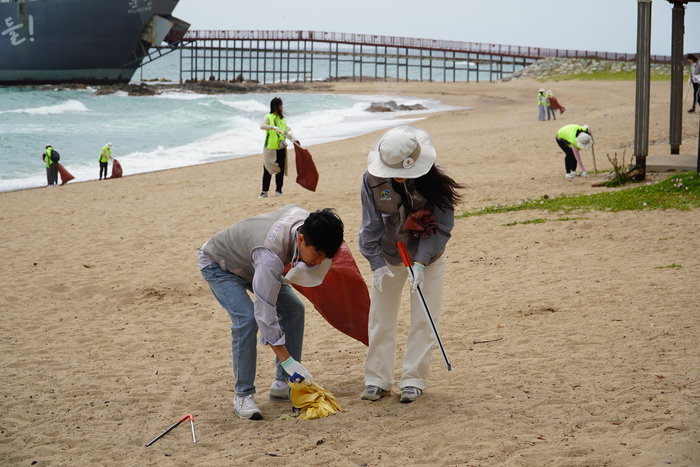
[
  {"x": 569, "y": 132},
  {"x": 48, "y": 157},
  {"x": 272, "y": 139},
  {"x": 107, "y": 151}
]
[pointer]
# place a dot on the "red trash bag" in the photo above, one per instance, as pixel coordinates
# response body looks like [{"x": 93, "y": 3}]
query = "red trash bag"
[
  {"x": 307, "y": 175},
  {"x": 554, "y": 105},
  {"x": 342, "y": 298},
  {"x": 65, "y": 175},
  {"x": 116, "y": 169}
]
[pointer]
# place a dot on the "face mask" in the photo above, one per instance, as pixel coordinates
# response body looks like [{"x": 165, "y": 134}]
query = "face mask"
[{"x": 306, "y": 276}]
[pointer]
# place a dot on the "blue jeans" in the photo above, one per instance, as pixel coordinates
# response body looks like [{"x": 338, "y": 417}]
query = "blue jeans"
[
  {"x": 551, "y": 111},
  {"x": 232, "y": 293},
  {"x": 540, "y": 115}
]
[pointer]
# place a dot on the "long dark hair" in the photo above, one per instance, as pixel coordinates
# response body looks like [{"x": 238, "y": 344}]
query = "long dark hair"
[
  {"x": 438, "y": 188},
  {"x": 276, "y": 107}
]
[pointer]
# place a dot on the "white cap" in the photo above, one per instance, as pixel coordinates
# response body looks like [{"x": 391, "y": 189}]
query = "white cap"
[{"x": 109, "y": 145}]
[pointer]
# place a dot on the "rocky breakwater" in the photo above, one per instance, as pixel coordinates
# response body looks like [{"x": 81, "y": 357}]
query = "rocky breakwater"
[
  {"x": 199, "y": 87},
  {"x": 551, "y": 68}
]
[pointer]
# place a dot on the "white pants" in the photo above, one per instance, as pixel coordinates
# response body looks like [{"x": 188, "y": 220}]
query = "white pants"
[{"x": 383, "y": 327}]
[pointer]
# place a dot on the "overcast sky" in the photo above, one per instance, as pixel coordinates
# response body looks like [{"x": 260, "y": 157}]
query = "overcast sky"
[{"x": 596, "y": 25}]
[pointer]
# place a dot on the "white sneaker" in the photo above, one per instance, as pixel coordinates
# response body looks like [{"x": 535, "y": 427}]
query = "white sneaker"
[
  {"x": 373, "y": 393},
  {"x": 584, "y": 174},
  {"x": 278, "y": 193},
  {"x": 245, "y": 407},
  {"x": 571, "y": 175},
  {"x": 263, "y": 195},
  {"x": 280, "y": 391},
  {"x": 409, "y": 394}
]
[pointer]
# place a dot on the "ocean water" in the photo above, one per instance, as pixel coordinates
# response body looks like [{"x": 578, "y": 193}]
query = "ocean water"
[{"x": 174, "y": 129}]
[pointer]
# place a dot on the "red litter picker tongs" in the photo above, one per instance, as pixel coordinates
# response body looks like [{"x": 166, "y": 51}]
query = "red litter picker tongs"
[
  {"x": 407, "y": 263},
  {"x": 194, "y": 440}
]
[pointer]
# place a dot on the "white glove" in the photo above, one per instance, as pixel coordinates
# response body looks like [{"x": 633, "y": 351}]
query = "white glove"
[
  {"x": 276, "y": 128},
  {"x": 291, "y": 366},
  {"x": 584, "y": 174},
  {"x": 378, "y": 276},
  {"x": 418, "y": 277}
]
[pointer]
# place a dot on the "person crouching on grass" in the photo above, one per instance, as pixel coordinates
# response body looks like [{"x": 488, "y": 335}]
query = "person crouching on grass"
[
  {"x": 403, "y": 187},
  {"x": 250, "y": 257}
]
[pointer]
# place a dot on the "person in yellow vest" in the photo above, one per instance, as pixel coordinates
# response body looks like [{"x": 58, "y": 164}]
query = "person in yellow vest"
[
  {"x": 550, "y": 110},
  {"x": 51, "y": 159},
  {"x": 570, "y": 139},
  {"x": 541, "y": 104},
  {"x": 274, "y": 148},
  {"x": 105, "y": 156}
]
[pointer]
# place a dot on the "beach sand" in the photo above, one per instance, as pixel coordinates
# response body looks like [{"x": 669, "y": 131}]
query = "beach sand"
[{"x": 109, "y": 335}]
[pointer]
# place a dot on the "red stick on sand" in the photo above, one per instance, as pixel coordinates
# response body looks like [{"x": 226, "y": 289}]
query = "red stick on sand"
[
  {"x": 194, "y": 440},
  {"x": 407, "y": 263}
]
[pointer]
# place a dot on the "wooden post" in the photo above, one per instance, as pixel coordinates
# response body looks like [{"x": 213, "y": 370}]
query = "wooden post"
[
  {"x": 641, "y": 106},
  {"x": 676, "y": 120}
]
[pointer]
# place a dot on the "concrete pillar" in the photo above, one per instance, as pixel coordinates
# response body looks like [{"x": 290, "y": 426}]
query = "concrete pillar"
[
  {"x": 675, "y": 134},
  {"x": 641, "y": 106}
]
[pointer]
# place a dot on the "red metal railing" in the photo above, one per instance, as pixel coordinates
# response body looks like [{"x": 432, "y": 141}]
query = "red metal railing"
[{"x": 422, "y": 44}]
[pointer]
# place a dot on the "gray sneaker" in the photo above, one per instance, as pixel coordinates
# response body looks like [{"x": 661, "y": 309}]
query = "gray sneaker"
[
  {"x": 373, "y": 393},
  {"x": 409, "y": 394},
  {"x": 245, "y": 407},
  {"x": 263, "y": 195},
  {"x": 279, "y": 394}
]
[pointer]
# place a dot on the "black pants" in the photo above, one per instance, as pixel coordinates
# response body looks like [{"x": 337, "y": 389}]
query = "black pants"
[
  {"x": 52, "y": 174},
  {"x": 696, "y": 86},
  {"x": 279, "y": 176},
  {"x": 569, "y": 158},
  {"x": 103, "y": 168}
]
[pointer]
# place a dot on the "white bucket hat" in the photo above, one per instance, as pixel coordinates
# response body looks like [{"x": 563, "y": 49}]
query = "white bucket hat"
[
  {"x": 109, "y": 145},
  {"x": 584, "y": 140},
  {"x": 404, "y": 151}
]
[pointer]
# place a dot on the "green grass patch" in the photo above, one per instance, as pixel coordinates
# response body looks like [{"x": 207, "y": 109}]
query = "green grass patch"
[
  {"x": 540, "y": 221},
  {"x": 607, "y": 76},
  {"x": 670, "y": 266},
  {"x": 680, "y": 191}
]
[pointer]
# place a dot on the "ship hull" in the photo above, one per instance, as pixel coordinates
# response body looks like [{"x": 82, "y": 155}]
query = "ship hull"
[{"x": 75, "y": 41}]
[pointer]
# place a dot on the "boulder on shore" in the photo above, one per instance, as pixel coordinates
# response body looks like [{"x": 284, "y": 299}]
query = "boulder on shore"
[{"x": 392, "y": 106}]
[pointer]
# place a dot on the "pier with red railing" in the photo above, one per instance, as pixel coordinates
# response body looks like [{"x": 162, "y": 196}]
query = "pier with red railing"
[{"x": 301, "y": 56}]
